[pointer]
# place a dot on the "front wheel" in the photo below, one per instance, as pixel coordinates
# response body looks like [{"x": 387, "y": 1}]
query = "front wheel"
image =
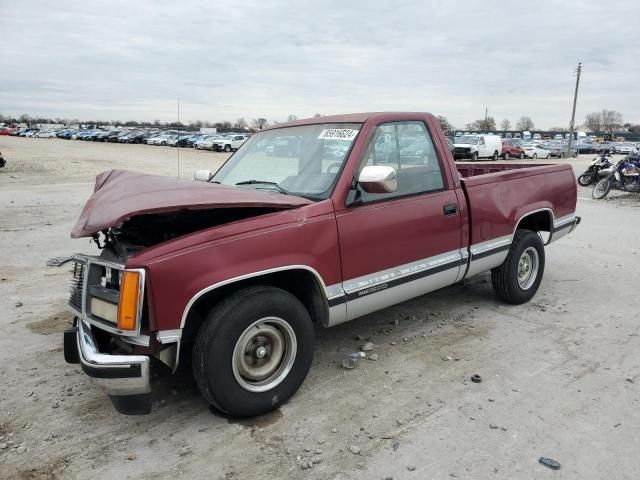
[
  {"x": 474, "y": 156},
  {"x": 585, "y": 179},
  {"x": 522, "y": 156},
  {"x": 535, "y": 156},
  {"x": 253, "y": 351},
  {"x": 227, "y": 148},
  {"x": 517, "y": 280},
  {"x": 602, "y": 189},
  {"x": 506, "y": 156}
]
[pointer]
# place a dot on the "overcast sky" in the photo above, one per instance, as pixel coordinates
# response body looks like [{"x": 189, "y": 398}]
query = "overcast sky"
[{"x": 131, "y": 60}]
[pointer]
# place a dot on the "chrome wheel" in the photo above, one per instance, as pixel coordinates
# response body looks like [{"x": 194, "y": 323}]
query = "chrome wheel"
[
  {"x": 528, "y": 268},
  {"x": 264, "y": 354}
]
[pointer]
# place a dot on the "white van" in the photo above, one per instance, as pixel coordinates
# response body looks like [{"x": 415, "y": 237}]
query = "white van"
[
  {"x": 526, "y": 135},
  {"x": 477, "y": 146}
]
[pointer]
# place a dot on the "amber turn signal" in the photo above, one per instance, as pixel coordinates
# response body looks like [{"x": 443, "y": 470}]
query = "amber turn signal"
[{"x": 128, "y": 306}]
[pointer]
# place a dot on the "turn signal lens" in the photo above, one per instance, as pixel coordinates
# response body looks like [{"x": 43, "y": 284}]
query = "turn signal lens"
[{"x": 128, "y": 306}]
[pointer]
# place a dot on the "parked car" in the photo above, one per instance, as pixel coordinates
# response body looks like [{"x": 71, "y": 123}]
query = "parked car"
[
  {"x": 6, "y": 131},
  {"x": 238, "y": 270},
  {"x": 604, "y": 146},
  {"x": 230, "y": 143},
  {"x": 559, "y": 150},
  {"x": 512, "y": 149},
  {"x": 625, "y": 148},
  {"x": 584, "y": 146},
  {"x": 535, "y": 151},
  {"x": 477, "y": 146},
  {"x": 45, "y": 134},
  {"x": 206, "y": 142}
]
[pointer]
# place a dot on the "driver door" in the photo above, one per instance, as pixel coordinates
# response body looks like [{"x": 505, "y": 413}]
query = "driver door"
[{"x": 396, "y": 246}]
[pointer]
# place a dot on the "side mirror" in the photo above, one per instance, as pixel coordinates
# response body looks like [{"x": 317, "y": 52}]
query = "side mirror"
[
  {"x": 378, "y": 179},
  {"x": 202, "y": 175}
]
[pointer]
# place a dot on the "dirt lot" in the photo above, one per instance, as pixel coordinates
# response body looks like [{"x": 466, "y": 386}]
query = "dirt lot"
[{"x": 561, "y": 375}]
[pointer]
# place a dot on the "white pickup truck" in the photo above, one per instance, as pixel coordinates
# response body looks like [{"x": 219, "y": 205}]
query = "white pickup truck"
[{"x": 232, "y": 142}]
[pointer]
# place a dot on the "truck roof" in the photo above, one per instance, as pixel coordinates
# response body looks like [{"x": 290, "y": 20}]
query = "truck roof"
[{"x": 353, "y": 118}]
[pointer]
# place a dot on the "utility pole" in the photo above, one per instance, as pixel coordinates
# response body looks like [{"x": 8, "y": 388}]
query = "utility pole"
[
  {"x": 486, "y": 115},
  {"x": 573, "y": 113}
]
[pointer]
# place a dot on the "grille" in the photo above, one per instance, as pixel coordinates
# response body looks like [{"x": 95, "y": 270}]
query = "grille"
[{"x": 77, "y": 284}]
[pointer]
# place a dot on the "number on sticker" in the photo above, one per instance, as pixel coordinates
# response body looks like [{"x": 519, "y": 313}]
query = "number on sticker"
[{"x": 338, "y": 134}]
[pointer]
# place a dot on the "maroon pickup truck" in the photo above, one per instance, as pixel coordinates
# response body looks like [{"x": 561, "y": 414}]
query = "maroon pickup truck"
[{"x": 313, "y": 222}]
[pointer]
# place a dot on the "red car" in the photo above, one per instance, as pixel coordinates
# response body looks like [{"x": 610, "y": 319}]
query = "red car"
[
  {"x": 6, "y": 131},
  {"x": 235, "y": 270},
  {"x": 512, "y": 149}
]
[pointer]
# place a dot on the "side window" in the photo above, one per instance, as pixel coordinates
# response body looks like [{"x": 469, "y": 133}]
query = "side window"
[{"x": 408, "y": 148}]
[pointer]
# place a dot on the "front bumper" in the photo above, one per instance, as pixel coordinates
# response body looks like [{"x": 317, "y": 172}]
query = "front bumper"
[{"x": 125, "y": 378}]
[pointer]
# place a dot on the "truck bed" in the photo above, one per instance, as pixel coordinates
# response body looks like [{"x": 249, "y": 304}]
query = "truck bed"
[
  {"x": 473, "y": 169},
  {"x": 500, "y": 194}
]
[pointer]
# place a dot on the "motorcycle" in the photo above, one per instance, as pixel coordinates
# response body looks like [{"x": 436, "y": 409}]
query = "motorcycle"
[
  {"x": 599, "y": 167},
  {"x": 624, "y": 175}
]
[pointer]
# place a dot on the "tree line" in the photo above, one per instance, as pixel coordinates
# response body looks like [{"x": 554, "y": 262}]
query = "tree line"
[{"x": 607, "y": 121}]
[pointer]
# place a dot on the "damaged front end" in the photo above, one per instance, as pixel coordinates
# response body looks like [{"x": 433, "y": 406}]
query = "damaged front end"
[{"x": 114, "y": 335}]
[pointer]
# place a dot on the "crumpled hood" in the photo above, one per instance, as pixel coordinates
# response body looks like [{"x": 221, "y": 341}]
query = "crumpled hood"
[{"x": 121, "y": 194}]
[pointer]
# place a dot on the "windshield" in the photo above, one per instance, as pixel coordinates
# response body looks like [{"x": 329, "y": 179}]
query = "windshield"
[
  {"x": 468, "y": 139},
  {"x": 302, "y": 160}
]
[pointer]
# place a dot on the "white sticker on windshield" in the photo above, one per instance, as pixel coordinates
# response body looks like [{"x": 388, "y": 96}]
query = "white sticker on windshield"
[{"x": 338, "y": 134}]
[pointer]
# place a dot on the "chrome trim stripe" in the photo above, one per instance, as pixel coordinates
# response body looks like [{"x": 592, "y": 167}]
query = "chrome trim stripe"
[
  {"x": 487, "y": 261},
  {"x": 410, "y": 287},
  {"x": 411, "y": 270},
  {"x": 244, "y": 277},
  {"x": 169, "y": 336},
  {"x": 483, "y": 249}
]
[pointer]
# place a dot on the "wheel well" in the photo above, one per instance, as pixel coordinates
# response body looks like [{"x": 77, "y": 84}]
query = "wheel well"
[
  {"x": 537, "y": 222},
  {"x": 300, "y": 283}
]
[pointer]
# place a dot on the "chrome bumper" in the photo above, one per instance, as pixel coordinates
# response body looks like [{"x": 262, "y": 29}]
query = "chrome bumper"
[{"x": 125, "y": 378}]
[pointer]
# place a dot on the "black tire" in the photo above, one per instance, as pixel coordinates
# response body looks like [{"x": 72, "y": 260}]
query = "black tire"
[
  {"x": 585, "y": 179},
  {"x": 601, "y": 189},
  {"x": 506, "y": 156},
  {"x": 495, "y": 156},
  {"x": 505, "y": 277},
  {"x": 227, "y": 148},
  {"x": 534, "y": 156},
  {"x": 561, "y": 155},
  {"x": 225, "y": 325},
  {"x": 548, "y": 156},
  {"x": 522, "y": 156},
  {"x": 474, "y": 156}
]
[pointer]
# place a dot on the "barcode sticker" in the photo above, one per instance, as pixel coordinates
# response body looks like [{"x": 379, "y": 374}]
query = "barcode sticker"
[{"x": 338, "y": 134}]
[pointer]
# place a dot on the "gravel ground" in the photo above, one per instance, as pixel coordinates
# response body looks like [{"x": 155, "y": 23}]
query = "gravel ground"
[{"x": 560, "y": 375}]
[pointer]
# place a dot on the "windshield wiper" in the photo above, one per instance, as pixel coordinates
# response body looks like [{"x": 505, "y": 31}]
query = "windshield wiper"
[{"x": 264, "y": 182}]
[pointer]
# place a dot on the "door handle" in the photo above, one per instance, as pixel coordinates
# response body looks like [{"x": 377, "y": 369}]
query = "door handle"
[{"x": 450, "y": 209}]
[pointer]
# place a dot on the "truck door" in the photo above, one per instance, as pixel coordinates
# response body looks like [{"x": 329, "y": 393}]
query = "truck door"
[{"x": 396, "y": 246}]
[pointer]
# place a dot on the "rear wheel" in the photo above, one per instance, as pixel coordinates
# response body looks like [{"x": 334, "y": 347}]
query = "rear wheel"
[
  {"x": 506, "y": 156},
  {"x": 495, "y": 156},
  {"x": 534, "y": 156},
  {"x": 602, "y": 189},
  {"x": 517, "y": 280},
  {"x": 253, "y": 351},
  {"x": 548, "y": 156},
  {"x": 561, "y": 155}
]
